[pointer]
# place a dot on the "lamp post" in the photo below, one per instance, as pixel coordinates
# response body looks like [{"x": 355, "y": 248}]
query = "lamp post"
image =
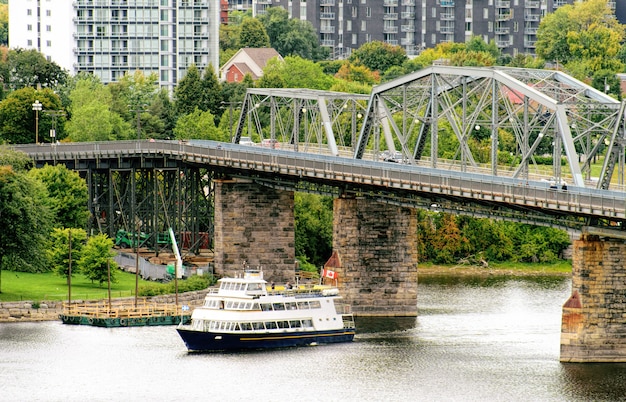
[{"x": 37, "y": 107}]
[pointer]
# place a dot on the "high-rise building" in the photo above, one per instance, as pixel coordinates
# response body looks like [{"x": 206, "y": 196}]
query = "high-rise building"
[
  {"x": 345, "y": 25},
  {"x": 109, "y": 38}
]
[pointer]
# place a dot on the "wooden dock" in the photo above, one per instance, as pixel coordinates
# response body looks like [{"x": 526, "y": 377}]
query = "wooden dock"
[{"x": 126, "y": 314}]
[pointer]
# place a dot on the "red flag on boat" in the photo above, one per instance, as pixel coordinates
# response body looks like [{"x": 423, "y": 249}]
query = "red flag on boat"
[{"x": 329, "y": 274}]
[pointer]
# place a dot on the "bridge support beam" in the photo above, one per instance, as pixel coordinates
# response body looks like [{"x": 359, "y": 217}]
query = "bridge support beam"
[
  {"x": 254, "y": 224},
  {"x": 594, "y": 318},
  {"x": 377, "y": 247}
]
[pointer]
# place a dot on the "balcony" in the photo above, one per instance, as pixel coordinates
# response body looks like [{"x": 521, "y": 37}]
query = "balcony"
[
  {"x": 529, "y": 43},
  {"x": 531, "y": 17},
  {"x": 446, "y": 30},
  {"x": 407, "y": 28},
  {"x": 327, "y": 29},
  {"x": 503, "y": 43},
  {"x": 502, "y": 30},
  {"x": 390, "y": 29},
  {"x": 408, "y": 2},
  {"x": 447, "y": 3},
  {"x": 532, "y": 4},
  {"x": 327, "y": 42},
  {"x": 531, "y": 31},
  {"x": 390, "y": 16},
  {"x": 407, "y": 41},
  {"x": 408, "y": 15},
  {"x": 390, "y": 3},
  {"x": 503, "y": 4},
  {"x": 393, "y": 42},
  {"x": 503, "y": 17},
  {"x": 327, "y": 2},
  {"x": 446, "y": 16},
  {"x": 327, "y": 16}
]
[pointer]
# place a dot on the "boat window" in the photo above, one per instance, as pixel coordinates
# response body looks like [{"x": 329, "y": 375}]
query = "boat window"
[
  {"x": 290, "y": 306},
  {"x": 270, "y": 325},
  {"x": 248, "y": 306},
  {"x": 307, "y": 323},
  {"x": 283, "y": 324},
  {"x": 258, "y": 325},
  {"x": 229, "y": 305},
  {"x": 315, "y": 304},
  {"x": 254, "y": 286},
  {"x": 246, "y": 326},
  {"x": 214, "y": 325},
  {"x": 294, "y": 324},
  {"x": 255, "y": 306},
  {"x": 304, "y": 305},
  {"x": 266, "y": 307},
  {"x": 279, "y": 306},
  {"x": 223, "y": 325}
]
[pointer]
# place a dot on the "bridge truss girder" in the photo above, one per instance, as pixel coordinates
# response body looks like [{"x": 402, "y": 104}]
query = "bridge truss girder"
[
  {"x": 151, "y": 200},
  {"x": 537, "y": 109},
  {"x": 304, "y": 120}
]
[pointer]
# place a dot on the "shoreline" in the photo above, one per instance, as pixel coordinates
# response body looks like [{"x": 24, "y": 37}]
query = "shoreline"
[{"x": 475, "y": 270}]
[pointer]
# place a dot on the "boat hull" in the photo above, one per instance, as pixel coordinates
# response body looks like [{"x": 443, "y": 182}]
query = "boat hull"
[{"x": 198, "y": 341}]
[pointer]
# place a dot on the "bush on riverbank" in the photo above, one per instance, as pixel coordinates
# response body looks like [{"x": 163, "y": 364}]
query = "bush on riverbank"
[{"x": 195, "y": 282}]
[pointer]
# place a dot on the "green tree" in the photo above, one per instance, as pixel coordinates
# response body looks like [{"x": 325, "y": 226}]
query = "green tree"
[
  {"x": 211, "y": 92},
  {"x": 65, "y": 251},
  {"x": 586, "y": 33},
  {"x": 92, "y": 117},
  {"x": 296, "y": 72},
  {"x": 19, "y": 161},
  {"x": 25, "y": 209},
  {"x": 68, "y": 195},
  {"x": 97, "y": 259},
  {"x": 188, "y": 93},
  {"x": 253, "y": 34},
  {"x": 314, "y": 227},
  {"x": 292, "y": 37},
  {"x": 4, "y": 25},
  {"x": 198, "y": 125},
  {"x": 378, "y": 56},
  {"x": 18, "y": 120},
  {"x": 163, "y": 117},
  {"x": 29, "y": 68}
]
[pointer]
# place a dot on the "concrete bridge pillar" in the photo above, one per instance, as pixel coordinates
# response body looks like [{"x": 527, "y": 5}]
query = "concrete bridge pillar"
[
  {"x": 254, "y": 224},
  {"x": 594, "y": 318},
  {"x": 377, "y": 247}
]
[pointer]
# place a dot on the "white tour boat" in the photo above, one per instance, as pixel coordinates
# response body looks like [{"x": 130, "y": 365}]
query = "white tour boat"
[{"x": 243, "y": 314}]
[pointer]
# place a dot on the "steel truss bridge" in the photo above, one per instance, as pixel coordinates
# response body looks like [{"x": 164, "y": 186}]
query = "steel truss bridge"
[{"x": 331, "y": 143}]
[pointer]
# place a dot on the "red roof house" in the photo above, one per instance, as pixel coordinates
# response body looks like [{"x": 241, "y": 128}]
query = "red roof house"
[{"x": 247, "y": 61}]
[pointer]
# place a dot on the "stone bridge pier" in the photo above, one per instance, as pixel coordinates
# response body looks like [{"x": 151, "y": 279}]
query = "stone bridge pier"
[
  {"x": 593, "y": 326},
  {"x": 254, "y": 224},
  {"x": 377, "y": 248}
]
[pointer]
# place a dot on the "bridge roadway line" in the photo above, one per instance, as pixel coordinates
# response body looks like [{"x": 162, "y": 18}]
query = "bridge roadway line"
[{"x": 338, "y": 171}]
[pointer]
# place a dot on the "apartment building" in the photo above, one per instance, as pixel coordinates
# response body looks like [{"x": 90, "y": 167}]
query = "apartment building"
[
  {"x": 344, "y": 25},
  {"x": 109, "y": 38}
]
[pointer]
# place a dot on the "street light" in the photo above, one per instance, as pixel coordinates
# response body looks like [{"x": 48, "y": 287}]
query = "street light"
[{"x": 37, "y": 107}]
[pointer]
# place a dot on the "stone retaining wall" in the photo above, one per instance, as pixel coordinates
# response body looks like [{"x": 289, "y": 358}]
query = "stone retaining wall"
[{"x": 50, "y": 310}]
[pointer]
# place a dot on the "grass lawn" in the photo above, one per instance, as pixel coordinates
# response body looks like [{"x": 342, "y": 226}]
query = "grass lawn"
[{"x": 16, "y": 286}]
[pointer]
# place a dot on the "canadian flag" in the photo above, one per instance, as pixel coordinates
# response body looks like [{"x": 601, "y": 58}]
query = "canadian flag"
[{"x": 327, "y": 273}]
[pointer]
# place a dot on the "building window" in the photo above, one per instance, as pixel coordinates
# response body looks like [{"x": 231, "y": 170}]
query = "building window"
[
  {"x": 48, "y": 28},
  {"x": 29, "y": 42},
  {"x": 49, "y": 43},
  {"x": 354, "y": 39},
  {"x": 363, "y": 25},
  {"x": 486, "y": 13},
  {"x": 433, "y": 39},
  {"x": 29, "y": 27},
  {"x": 468, "y": 26},
  {"x": 349, "y": 25},
  {"x": 368, "y": 11},
  {"x": 354, "y": 12},
  {"x": 29, "y": 12},
  {"x": 48, "y": 13}
]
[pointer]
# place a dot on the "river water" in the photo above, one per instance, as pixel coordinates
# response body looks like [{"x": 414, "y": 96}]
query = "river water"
[{"x": 475, "y": 339}]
